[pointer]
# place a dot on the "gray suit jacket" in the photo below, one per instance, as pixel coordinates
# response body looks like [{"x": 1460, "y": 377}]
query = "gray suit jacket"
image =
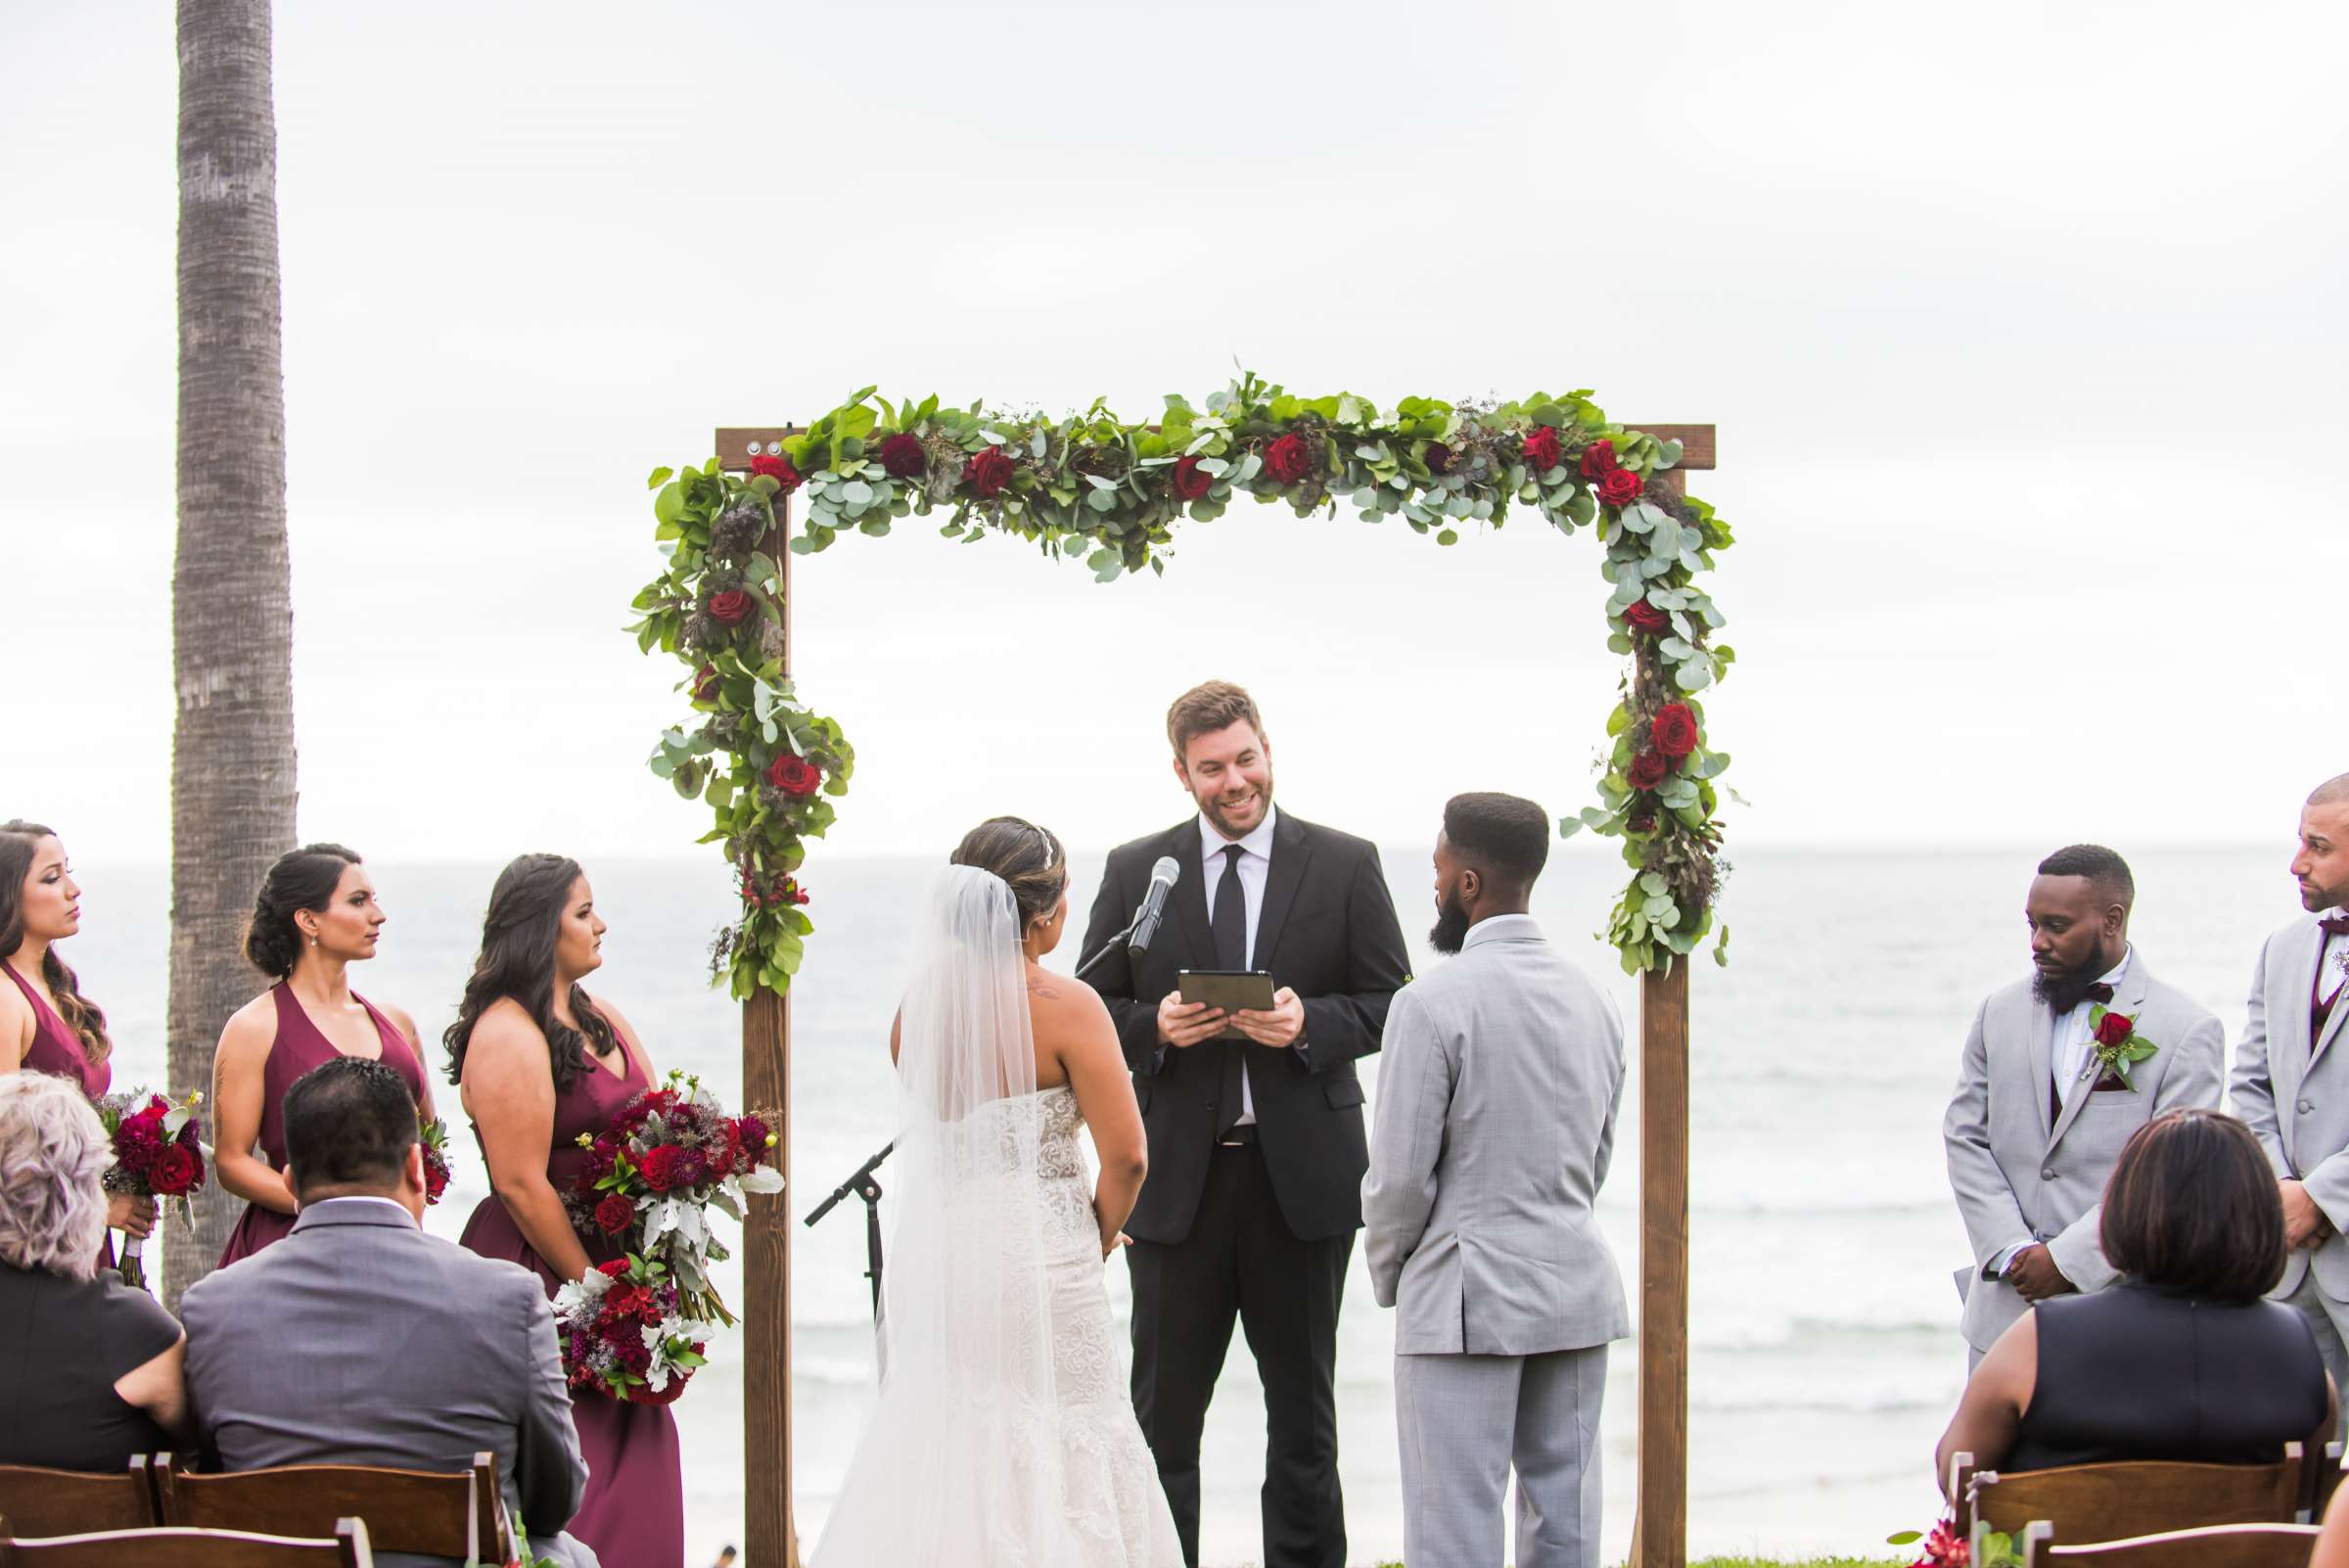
[
  {"x": 1496, "y": 1120},
  {"x": 362, "y": 1340},
  {"x": 2019, "y": 1177},
  {"x": 2293, "y": 1093}
]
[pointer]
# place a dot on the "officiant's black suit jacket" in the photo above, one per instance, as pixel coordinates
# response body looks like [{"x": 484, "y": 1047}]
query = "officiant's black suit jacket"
[{"x": 1327, "y": 930}]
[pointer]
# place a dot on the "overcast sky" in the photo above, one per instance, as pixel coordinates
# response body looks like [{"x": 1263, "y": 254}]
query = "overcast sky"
[{"x": 2022, "y": 326}]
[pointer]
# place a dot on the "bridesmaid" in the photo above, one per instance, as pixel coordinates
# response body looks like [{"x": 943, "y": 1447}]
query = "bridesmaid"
[
  {"x": 46, "y": 1024},
  {"x": 316, "y": 915},
  {"x": 537, "y": 1063}
]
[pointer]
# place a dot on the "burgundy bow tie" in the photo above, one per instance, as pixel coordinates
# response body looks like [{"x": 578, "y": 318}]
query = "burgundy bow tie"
[
  {"x": 2335, "y": 925},
  {"x": 2099, "y": 993}
]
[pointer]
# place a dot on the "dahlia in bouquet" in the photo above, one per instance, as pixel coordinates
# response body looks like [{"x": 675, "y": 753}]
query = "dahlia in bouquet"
[
  {"x": 651, "y": 1178},
  {"x": 158, "y": 1153},
  {"x": 624, "y": 1334}
]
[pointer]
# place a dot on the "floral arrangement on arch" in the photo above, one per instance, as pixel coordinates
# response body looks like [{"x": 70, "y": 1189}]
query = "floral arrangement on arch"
[{"x": 1092, "y": 489}]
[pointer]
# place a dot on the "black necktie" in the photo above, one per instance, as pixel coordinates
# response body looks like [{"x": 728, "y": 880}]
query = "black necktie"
[{"x": 1229, "y": 924}]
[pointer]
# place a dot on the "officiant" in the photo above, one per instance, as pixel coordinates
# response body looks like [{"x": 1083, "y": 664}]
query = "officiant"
[{"x": 1255, "y": 1118}]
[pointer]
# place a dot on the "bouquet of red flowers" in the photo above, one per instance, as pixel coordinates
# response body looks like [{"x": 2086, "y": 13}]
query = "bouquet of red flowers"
[
  {"x": 432, "y": 1134},
  {"x": 158, "y": 1153},
  {"x": 624, "y": 1334},
  {"x": 652, "y": 1176}
]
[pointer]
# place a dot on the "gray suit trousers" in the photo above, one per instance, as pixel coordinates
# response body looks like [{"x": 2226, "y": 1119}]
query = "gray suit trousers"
[{"x": 1465, "y": 1421}]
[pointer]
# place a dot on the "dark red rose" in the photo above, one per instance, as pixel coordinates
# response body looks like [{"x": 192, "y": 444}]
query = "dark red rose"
[
  {"x": 1599, "y": 460},
  {"x": 658, "y": 1167},
  {"x": 613, "y": 1270},
  {"x": 987, "y": 471},
  {"x": 1438, "y": 458},
  {"x": 136, "y": 1137},
  {"x": 1191, "y": 480},
  {"x": 779, "y": 470},
  {"x": 177, "y": 1170},
  {"x": 1641, "y": 822},
  {"x": 705, "y": 684},
  {"x": 632, "y": 1352},
  {"x": 1674, "y": 730},
  {"x": 904, "y": 457},
  {"x": 1646, "y": 616},
  {"x": 1648, "y": 770},
  {"x": 729, "y": 606},
  {"x": 2114, "y": 1029},
  {"x": 1617, "y": 486},
  {"x": 1288, "y": 459},
  {"x": 614, "y": 1214},
  {"x": 795, "y": 776},
  {"x": 435, "y": 1178},
  {"x": 1542, "y": 450}
]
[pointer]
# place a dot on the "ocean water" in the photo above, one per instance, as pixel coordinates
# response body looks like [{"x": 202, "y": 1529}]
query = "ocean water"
[{"x": 1824, "y": 1352}]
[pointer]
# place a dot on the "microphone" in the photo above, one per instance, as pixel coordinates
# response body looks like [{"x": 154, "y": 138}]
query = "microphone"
[{"x": 1153, "y": 909}]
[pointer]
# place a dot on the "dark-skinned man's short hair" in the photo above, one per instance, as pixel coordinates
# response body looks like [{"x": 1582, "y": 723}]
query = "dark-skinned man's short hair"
[
  {"x": 349, "y": 1123},
  {"x": 2192, "y": 1207},
  {"x": 1505, "y": 837},
  {"x": 2105, "y": 871}
]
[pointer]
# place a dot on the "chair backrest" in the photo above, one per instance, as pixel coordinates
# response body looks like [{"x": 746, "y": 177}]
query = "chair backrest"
[
  {"x": 2230, "y": 1546},
  {"x": 2139, "y": 1497},
  {"x": 167, "y": 1547},
  {"x": 2324, "y": 1480},
  {"x": 60, "y": 1502},
  {"x": 461, "y": 1516}
]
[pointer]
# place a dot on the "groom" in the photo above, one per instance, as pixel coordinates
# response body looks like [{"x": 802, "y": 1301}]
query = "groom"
[
  {"x": 1257, "y": 1151},
  {"x": 2041, "y": 1110}
]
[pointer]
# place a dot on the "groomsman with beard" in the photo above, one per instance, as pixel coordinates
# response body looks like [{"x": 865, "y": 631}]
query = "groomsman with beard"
[
  {"x": 2290, "y": 1085},
  {"x": 1257, "y": 1147},
  {"x": 2043, "y": 1105}
]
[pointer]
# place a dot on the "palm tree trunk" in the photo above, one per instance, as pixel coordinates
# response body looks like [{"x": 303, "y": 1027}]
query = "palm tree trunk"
[{"x": 232, "y": 616}]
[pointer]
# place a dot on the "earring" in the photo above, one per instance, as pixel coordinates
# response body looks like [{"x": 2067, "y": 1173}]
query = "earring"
[{"x": 313, "y": 939}]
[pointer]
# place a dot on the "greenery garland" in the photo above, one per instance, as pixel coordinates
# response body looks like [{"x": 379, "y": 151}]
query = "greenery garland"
[{"x": 1094, "y": 489}]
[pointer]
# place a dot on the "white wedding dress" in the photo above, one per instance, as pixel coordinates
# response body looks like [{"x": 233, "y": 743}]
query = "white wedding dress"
[{"x": 1003, "y": 1434}]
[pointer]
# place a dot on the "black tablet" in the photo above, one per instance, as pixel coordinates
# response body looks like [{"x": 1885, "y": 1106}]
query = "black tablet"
[{"x": 1232, "y": 990}]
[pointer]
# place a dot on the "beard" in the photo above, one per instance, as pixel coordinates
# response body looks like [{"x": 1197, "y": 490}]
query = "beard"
[
  {"x": 1212, "y": 808},
  {"x": 1450, "y": 929},
  {"x": 2067, "y": 989}
]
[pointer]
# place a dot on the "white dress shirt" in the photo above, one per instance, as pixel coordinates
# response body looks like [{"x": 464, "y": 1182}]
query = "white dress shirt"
[
  {"x": 2333, "y": 963},
  {"x": 2072, "y": 1063},
  {"x": 1255, "y": 865}
]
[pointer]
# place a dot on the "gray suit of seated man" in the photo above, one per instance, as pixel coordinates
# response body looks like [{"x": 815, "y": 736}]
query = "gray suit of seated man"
[
  {"x": 362, "y": 1340},
  {"x": 1497, "y": 1096}
]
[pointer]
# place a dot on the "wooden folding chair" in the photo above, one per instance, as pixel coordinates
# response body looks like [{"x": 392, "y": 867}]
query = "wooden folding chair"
[
  {"x": 57, "y": 1502},
  {"x": 461, "y": 1515},
  {"x": 2130, "y": 1497},
  {"x": 2229, "y": 1546},
  {"x": 166, "y": 1547},
  {"x": 2324, "y": 1480}
]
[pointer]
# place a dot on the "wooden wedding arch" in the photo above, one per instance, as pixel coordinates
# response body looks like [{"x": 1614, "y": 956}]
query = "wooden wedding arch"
[{"x": 1661, "y": 1528}]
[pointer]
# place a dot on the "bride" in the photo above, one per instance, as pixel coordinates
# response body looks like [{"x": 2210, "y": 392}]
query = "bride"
[{"x": 1005, "y": 1433}]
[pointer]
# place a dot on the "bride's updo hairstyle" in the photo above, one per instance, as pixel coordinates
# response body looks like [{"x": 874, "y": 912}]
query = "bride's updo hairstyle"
[
  {"x": 300, "y": 879},
  {"x": 1028, "y": 857}
]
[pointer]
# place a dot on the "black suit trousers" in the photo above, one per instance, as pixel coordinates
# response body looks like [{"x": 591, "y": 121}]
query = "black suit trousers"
[{"x": 1241, "y": 1259}]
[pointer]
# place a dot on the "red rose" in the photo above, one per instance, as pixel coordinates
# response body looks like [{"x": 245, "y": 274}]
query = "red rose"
[
  {"x": 1599, "y": 460},
  {"x": 729, "y": 606},
  {"x": 613, "y": 1270},
  {"x": 436, "y": 1178},
  {"x": 614, "y": 1214},
  {"x": 779, "y": 470},
  {"x": 795, "y": 776},
  {"x": 658, "y": 1167},
  {"x": 1542, "y": 450},
  {"x": 177, "y": 1170},
  {"x": 1646, "y": 616},
  {"x": 1288, "y": 459},
  {"x": 1191, "y": 480},
  {"x": 904, "y": 457},
  {"x": 1648, "y": 770},
  {"x": 1674, "y": 730},
  {"x": 2114, "y": 1029},
  {"x": 1617, "y": 486},
  {"x": 705, "y": 684},
  {"x": 1437, "y": 457},
  {"x": 987, "y": 471}
]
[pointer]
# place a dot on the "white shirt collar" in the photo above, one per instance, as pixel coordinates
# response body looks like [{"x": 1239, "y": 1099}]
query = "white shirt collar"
[
  {"x": 1257, "y": 843},
  {"x": 369, "y": 1197},
  {"x": 2112, "y": 976}
]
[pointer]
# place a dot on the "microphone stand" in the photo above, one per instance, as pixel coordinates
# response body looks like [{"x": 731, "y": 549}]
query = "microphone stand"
[
  {"x": 862, "y": 1185},
  {"x": 1107, "y": 947}
]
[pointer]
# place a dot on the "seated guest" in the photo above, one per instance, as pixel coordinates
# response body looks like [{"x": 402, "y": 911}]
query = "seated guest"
[
  {"x": 2181, "y": 1359},
  {"x": 359, "y": 1339},
  {"x": 91, "y": 1370}
]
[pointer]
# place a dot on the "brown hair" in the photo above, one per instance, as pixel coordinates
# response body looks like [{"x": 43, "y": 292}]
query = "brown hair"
[
  {"x": 1207, "y": 708},
  {"x": 2192, "y": 1209},
  {"x": 19, "y": 841},
  {"x": 1028, "y": 857},
  {"x": 299, "y": 879}
]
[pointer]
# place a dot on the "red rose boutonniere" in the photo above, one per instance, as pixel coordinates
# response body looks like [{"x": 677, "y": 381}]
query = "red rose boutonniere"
[{"x": 2116, "y": 1043}]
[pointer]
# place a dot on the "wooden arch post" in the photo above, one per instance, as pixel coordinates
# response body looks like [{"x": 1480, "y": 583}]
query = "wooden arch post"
[{"x": 1660, "y": 1532}]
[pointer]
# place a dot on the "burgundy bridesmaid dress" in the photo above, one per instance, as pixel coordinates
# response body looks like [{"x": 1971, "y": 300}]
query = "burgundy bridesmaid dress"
[
  {"x": 633, "y": 1514},
  {"x": 298, "y": 1047},
  {"x": 57, "y": 1050}
]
